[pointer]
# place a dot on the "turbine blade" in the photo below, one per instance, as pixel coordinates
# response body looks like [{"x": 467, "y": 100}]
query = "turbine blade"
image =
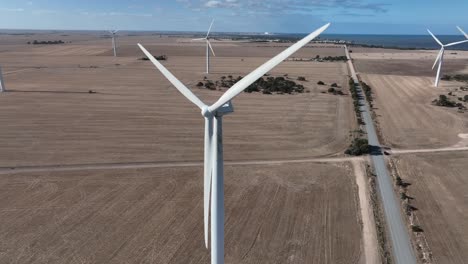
[
  {"x": 211, "y": 48},
  {"x": 440, "y": 43},
  {"x": 266, "y": 67},
  {"x": 209, "y": 30},
  {"x": 456, "y": 43},
  {"x": 198, "y": 39},
  {"x": 438, "y": 58},
  {"x": 207, "y": 175},
  {"x": 179, "y": 85},
  {"x": 463, "y": 32}
]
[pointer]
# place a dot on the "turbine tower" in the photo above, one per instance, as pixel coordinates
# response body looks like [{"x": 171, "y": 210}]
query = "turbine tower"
[
  {"x": 2, "y": 85},
  {"x": 114, "y": 43},
  {"x": 440, "y": 56},
  {"x": 463, "y": 32},
  {"x": 213, "y": 153},
  {"x": 208, "y": 47}
]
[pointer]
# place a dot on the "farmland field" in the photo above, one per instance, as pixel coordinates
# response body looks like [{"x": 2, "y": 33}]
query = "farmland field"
[
  {"x": 289, "y": 213},
  {"x": 136, "y": 115},
  {"x": 438, "y": 185},
  {"x": 300, "y": 213},
  {"x": 406, "y": 116}
]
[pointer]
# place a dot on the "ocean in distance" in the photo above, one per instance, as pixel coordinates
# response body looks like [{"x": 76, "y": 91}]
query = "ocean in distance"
[{"x": 399, "y": 41}]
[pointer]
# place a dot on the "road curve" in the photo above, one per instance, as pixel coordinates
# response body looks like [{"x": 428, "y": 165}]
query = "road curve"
[{"x": 401, "y": 245}]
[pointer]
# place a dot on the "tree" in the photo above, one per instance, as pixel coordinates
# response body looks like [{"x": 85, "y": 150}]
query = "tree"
[{"x": 334, "y": 85}]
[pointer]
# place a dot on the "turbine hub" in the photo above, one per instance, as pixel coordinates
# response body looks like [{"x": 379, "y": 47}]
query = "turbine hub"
[{"x": 206, "y": 112}]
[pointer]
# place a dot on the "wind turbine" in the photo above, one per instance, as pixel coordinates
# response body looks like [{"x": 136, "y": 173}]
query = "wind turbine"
[
  {"x": 2, "y": 85},
  {"x": 213, "y": 153},
  {"x": 463, "y": 32},
  {"x": 114, "y": 44},
  {"x": 440, "y": 56},
  {"x": 208, "y": 47}
]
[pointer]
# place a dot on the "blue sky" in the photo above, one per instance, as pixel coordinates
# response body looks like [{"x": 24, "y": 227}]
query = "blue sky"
[{"x": 291, "y": 16}]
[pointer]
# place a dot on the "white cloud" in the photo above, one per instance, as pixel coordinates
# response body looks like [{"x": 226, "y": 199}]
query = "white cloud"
[
  {"x": 286, "y": 6},
  {"x": 85, "y": 13},
  {"x": 12, "y": 9}
]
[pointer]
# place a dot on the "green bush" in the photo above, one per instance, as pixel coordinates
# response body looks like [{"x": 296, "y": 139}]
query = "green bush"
[{"x": 359, "y": 146}]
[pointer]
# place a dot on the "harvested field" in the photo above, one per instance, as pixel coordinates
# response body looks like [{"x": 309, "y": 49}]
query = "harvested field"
[
  {"x": 300, "y": 213},
  {"x": 408, "y": 62},
  {"x": 289, "y": 213},
  {"x": 136, "y": 115},
  {"x": 406, "y": 116},
  {"x": 438, "y": 185}
]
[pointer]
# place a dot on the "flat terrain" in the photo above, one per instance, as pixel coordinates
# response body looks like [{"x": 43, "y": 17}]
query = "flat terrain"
[
  {"x": 407, "y": 118},
  {"x": 438, "y": 184},
  {"x": 408, "y": 62},
  {"x": 298, "y": 213},
  {"x": 138, "y": 116},
  {"x": 288, "y": 213}
]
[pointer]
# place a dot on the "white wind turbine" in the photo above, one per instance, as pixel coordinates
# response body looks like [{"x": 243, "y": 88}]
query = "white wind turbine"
[
  {"x": 208, "y": 47},
  {"x": 2, "y": 85},
  {"x": 463, "y": 32},
  {"x": 213, "y": 153},
  {"x": 440, "y": 56},
  {"x": 114, "y": 43}
]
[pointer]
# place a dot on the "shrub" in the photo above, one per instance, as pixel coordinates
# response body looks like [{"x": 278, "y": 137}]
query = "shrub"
[
  {"x": 161, "y": 57},
  {"x": 210, "y": 85},
  {"x": 416, "y": 229},
  {"x": 334, "y": 85},
  {"x": 465, "y": 98},
  {"x": 444, "y": 101},
  {"x": 358, "y": 147},
  {"x": 199, "y": 84},
  {"x": 301, "y": 78},
  {"x": 331, "y": 90},
  {"x": 320, "y": 83}
]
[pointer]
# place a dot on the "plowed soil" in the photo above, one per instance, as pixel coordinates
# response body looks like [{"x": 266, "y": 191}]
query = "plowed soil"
[
  {"x": 296, "y": 213},
  {"x": 438, "y": 185}
]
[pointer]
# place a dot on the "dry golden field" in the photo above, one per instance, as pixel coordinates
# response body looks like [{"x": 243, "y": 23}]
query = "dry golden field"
[
  {"x": 290, "y": 213},
  {"x": 438, "y": 184},
  {"x": 137, "y": 115},
  {"x": 406, "y": 116},
  {"x": 300, "y": 213}
]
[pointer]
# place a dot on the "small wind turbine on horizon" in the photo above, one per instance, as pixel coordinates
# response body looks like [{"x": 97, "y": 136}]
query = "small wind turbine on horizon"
[
  {"x": 213, "y": 151},
  {"x": 463, "y": 32},
  {"x": 114, "y": 43},
  {"x": 208, "y": 47},
  {"x": 440, "y": 56},
  {"x": 2, "y": 85}
]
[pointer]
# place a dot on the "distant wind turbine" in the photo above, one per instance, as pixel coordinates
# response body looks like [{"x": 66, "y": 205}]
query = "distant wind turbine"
[
  {"x": 440, "y": 56},
  {"x": 2, "y": 85},
  {"x": 463, "y": 32},
  {"x": 114, "y": 43},
  {"x": 213, "y": 153},
  {"x": 208, "y": 47}
]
